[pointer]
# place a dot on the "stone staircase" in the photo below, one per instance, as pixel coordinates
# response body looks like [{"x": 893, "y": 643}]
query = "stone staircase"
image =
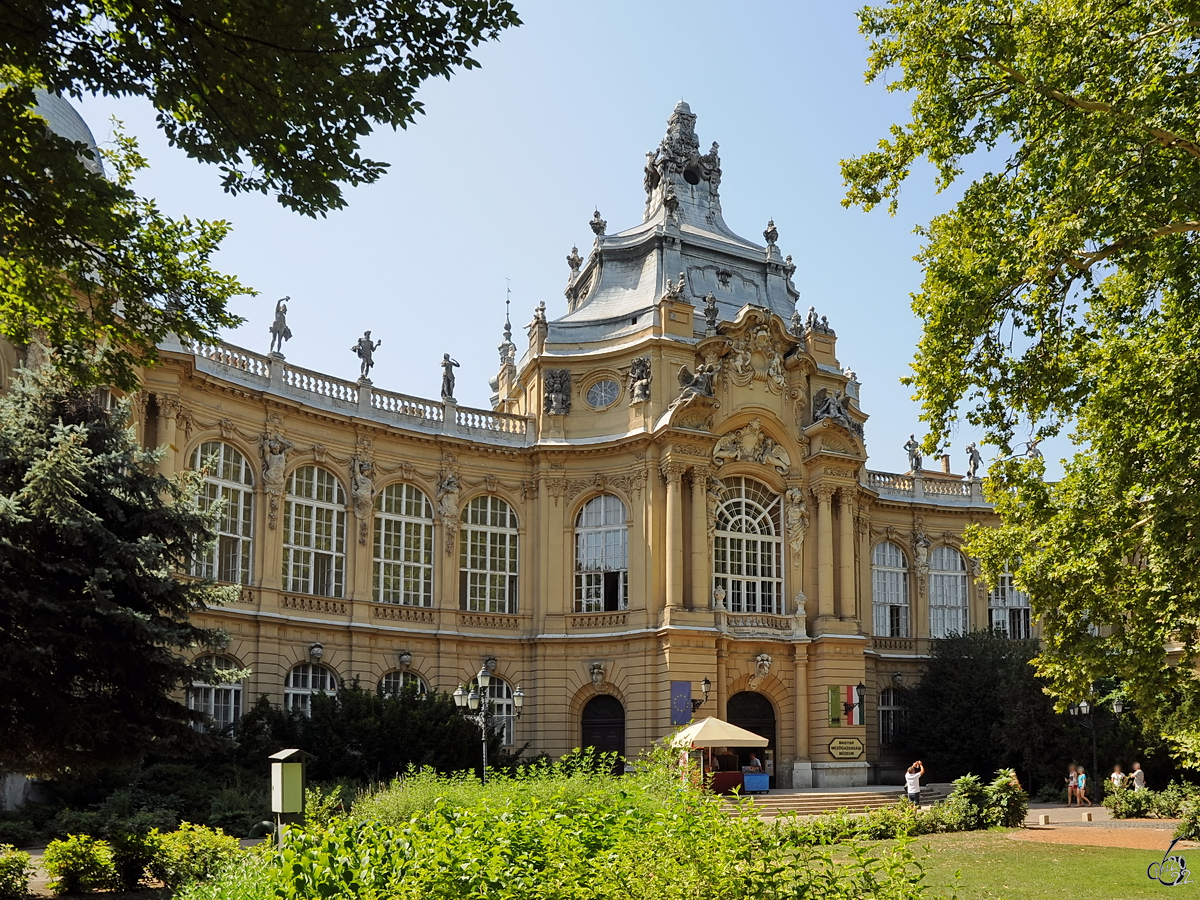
[{"x": 814, "y": 803}]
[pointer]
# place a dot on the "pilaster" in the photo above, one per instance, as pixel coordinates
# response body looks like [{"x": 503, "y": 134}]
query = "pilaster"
[{"x": 672, "y": 473}]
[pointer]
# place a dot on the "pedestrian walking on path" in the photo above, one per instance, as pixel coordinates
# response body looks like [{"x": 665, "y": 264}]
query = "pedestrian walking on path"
[
  {"x": 1081, "y": 788},
  {"x": 1072, "y": 784}
]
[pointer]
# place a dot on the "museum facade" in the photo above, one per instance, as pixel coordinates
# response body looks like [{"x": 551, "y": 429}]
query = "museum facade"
[{"x": 670, "y": 493}]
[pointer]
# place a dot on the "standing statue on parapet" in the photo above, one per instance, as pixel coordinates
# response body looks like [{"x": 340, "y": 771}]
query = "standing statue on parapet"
[
  {"x": 365, "y": 350},
  {"x": 913, "y": 448},
  {"x": 279, "y": 328},
  {"x": 974, "y": 461},
  {"x": 710, "y": 314},
  {"x": 1031, "y": 449},
  {"x": 448, "y": 367}
]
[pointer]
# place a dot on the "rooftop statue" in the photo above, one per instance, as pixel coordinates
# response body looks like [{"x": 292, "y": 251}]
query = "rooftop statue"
[
  {"x": 913, "y": 448},
  {"x": 279, "y": 328},
  {"x": 365, "y": 350},
  {"x": 974, "y": 461},
  {"x": 448, "y": 367}
]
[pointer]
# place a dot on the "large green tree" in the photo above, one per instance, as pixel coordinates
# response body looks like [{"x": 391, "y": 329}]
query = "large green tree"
[
  {"x": 278, "y": 95},
  {"x": 1060, "y": 296},
  {"x": 95, "y": 624}
]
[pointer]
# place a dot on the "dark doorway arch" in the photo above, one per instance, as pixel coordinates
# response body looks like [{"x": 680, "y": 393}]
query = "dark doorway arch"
[
  {"x": 754, "y": 712},
  {"x": 603, "y": 723}
]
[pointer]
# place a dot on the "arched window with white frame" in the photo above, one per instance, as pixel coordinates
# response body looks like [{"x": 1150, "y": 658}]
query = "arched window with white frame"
[
  {"x": 601, "y": 556},
  {"x": 748, "y": 547},
  {"x": 947, "y": 592},
  {"x": 228, "y": 480},
  {"x": 488, "y": 556},
  {"x": 403, "y": 546},
  {"x": 504, "y": 711},
  {"x": 1009, "y": 609},
  {"x": 221, "y": 702},
  {"x": 889, "y": 590},
  {"x": 303, "y": 682},
  {"x": 314, "y": 533},
  {"x": 397, "y": 681}
]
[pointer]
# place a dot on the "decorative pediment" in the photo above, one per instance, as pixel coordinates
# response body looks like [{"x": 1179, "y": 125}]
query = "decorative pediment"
[
  {"x": 751, "y": 350},
  {"x": 829, "y": 436}
]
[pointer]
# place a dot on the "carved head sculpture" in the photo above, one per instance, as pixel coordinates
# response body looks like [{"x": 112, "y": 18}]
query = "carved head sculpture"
[
  {"x": 762, "y": 665},
  {"x": 596, "y": 671}
]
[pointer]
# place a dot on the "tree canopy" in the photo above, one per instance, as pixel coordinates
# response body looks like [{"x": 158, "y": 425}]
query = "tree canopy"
[
  {"x": 95, "y": 623},
  {"x": 277, "y": 96},
  {"x": 1060, "y": 295}
]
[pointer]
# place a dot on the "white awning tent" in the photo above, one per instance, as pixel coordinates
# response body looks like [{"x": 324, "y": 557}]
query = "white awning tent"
[{"x": 713, "y": 732}]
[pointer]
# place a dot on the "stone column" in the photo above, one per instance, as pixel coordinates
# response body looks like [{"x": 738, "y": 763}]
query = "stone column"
[
  {"x": 800, "y": 690},
  {"x": 824, "y": 496},
  {"x": 168, "y": 413},
  {"x": 701, "y": 588},
  {"x": 672, "y": 472},
  {"x": 722, "y": 693},
  {"x": 846, "y": 495}
]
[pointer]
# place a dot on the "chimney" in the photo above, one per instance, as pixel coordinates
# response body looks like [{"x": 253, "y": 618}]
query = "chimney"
[{"x": 946, "y": 464}]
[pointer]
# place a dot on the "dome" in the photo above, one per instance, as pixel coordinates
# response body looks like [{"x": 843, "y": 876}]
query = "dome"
[{"x": 67, "y": 123}]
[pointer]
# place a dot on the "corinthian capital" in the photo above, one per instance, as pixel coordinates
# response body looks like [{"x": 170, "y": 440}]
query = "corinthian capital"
[
  {"x": 824, "y": 493},
  {"x": 672, "y": 472}
]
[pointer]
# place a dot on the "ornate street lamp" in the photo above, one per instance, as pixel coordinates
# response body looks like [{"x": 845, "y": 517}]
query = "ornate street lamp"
[
  {"x": 1085, "y": 710},
  {"x": 705, "y": 687},
  {"x": 474, "y": 705}
]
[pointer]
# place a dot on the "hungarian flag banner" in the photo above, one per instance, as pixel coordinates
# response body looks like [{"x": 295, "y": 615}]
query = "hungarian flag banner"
[{"x": 853, "y": 712}]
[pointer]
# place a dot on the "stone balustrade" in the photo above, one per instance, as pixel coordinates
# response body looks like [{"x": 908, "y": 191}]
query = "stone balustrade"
[
  {"x": 274, "y": 375},
  {"x": 936, "y": 491}
]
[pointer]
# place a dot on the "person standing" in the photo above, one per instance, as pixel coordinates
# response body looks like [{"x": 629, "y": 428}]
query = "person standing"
[
  {"x": 1117, "y": 777},
  {"x": 1081, "y": 781},
  {"x": 1072, "y": 784},
  {"x": 912, "y": 782},
  {"x": 1138, "y": 777}
]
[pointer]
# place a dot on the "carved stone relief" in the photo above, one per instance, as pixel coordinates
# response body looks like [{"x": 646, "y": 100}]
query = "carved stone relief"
[
  {"x": 797, "y": 523},
  {"x": 558, "y": 392},
  {"x": 750, "y": 444},
  {"x": 448, "y": 491},
  {"x": 274, "y": 448}
]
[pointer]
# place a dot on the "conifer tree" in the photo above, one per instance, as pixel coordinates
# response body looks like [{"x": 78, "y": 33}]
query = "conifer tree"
[{"x": 95, "y": 628}]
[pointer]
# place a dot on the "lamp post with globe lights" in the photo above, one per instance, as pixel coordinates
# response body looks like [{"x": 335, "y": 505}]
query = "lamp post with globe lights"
[
  {"x": 473, "y": 704},
  {"x": 1085, "y": 712}
]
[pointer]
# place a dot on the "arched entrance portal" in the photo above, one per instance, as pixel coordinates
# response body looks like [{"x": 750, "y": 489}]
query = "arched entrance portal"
[
  {"x": 753, "y": 712},
  {"x": 604, "y": 727}
]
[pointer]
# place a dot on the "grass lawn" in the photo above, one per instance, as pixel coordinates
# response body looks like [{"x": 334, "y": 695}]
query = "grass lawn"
[{"x": 993, "y": 866}]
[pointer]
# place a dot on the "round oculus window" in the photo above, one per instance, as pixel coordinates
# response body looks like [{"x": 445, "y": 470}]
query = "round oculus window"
[{"x": 603, "y": 393}]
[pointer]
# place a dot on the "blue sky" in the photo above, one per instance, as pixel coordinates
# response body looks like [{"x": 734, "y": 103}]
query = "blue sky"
[{"x": 499, "y": 179}]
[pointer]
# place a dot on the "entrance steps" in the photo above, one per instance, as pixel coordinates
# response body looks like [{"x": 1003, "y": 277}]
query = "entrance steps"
[{"x": 786, "y": 802}]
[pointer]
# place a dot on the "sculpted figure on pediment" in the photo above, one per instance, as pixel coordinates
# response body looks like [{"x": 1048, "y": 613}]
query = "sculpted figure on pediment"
[{"x": 751, "y": 444}]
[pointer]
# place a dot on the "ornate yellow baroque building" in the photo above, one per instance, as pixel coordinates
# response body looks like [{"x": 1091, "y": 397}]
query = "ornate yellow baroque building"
[{"x": 672, "y": 486}]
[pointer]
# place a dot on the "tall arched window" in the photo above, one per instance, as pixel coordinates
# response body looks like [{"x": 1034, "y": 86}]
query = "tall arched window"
[
  {"x": 403, "y": 546},
  {"x": 890, "y": 714},
  {"x": 487, "y": 580},
  {"x": 889, "y": 590},
  {"x": 747, "y": 548},
  {"x": 229, "y": 481},
  {"x": 1008, "y": 609},
  {"x": 314, "y": 533},
  {"x": 305, "y": 680},
  {"x": 222, "y": 703},
  {"x": 504, "y": 712},
  {"x": 395, "y": 682},
  {"x": 601, "y": 556},
  {"x": 947, "y": 592}
]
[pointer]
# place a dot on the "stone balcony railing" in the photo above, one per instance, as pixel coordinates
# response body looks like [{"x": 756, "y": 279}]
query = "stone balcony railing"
[
  {"x": 936, "y": 491},
  {"x": 274, "y": 375}
]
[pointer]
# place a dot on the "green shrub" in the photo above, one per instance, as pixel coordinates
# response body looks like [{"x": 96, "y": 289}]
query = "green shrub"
[
  {"x": 237, "y": 810},
  {"x": 1125, "y": 803},
  {"x": 250, "y": 877},
  {"x": 17, "y": 832},
  {"x": 132, "y": 856},
  {"x": 964, "y": 809},
  {"x": 193, "y": 853},
  {"x": 1189, "y": 825},
  {"x": 15, "y": 871},
  {"x": 79, "y": 863},
  {"x": 1007, "y": 802},
  {"x": 1051, "y": 793},
  {"x": 1168, "y": 803}
]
